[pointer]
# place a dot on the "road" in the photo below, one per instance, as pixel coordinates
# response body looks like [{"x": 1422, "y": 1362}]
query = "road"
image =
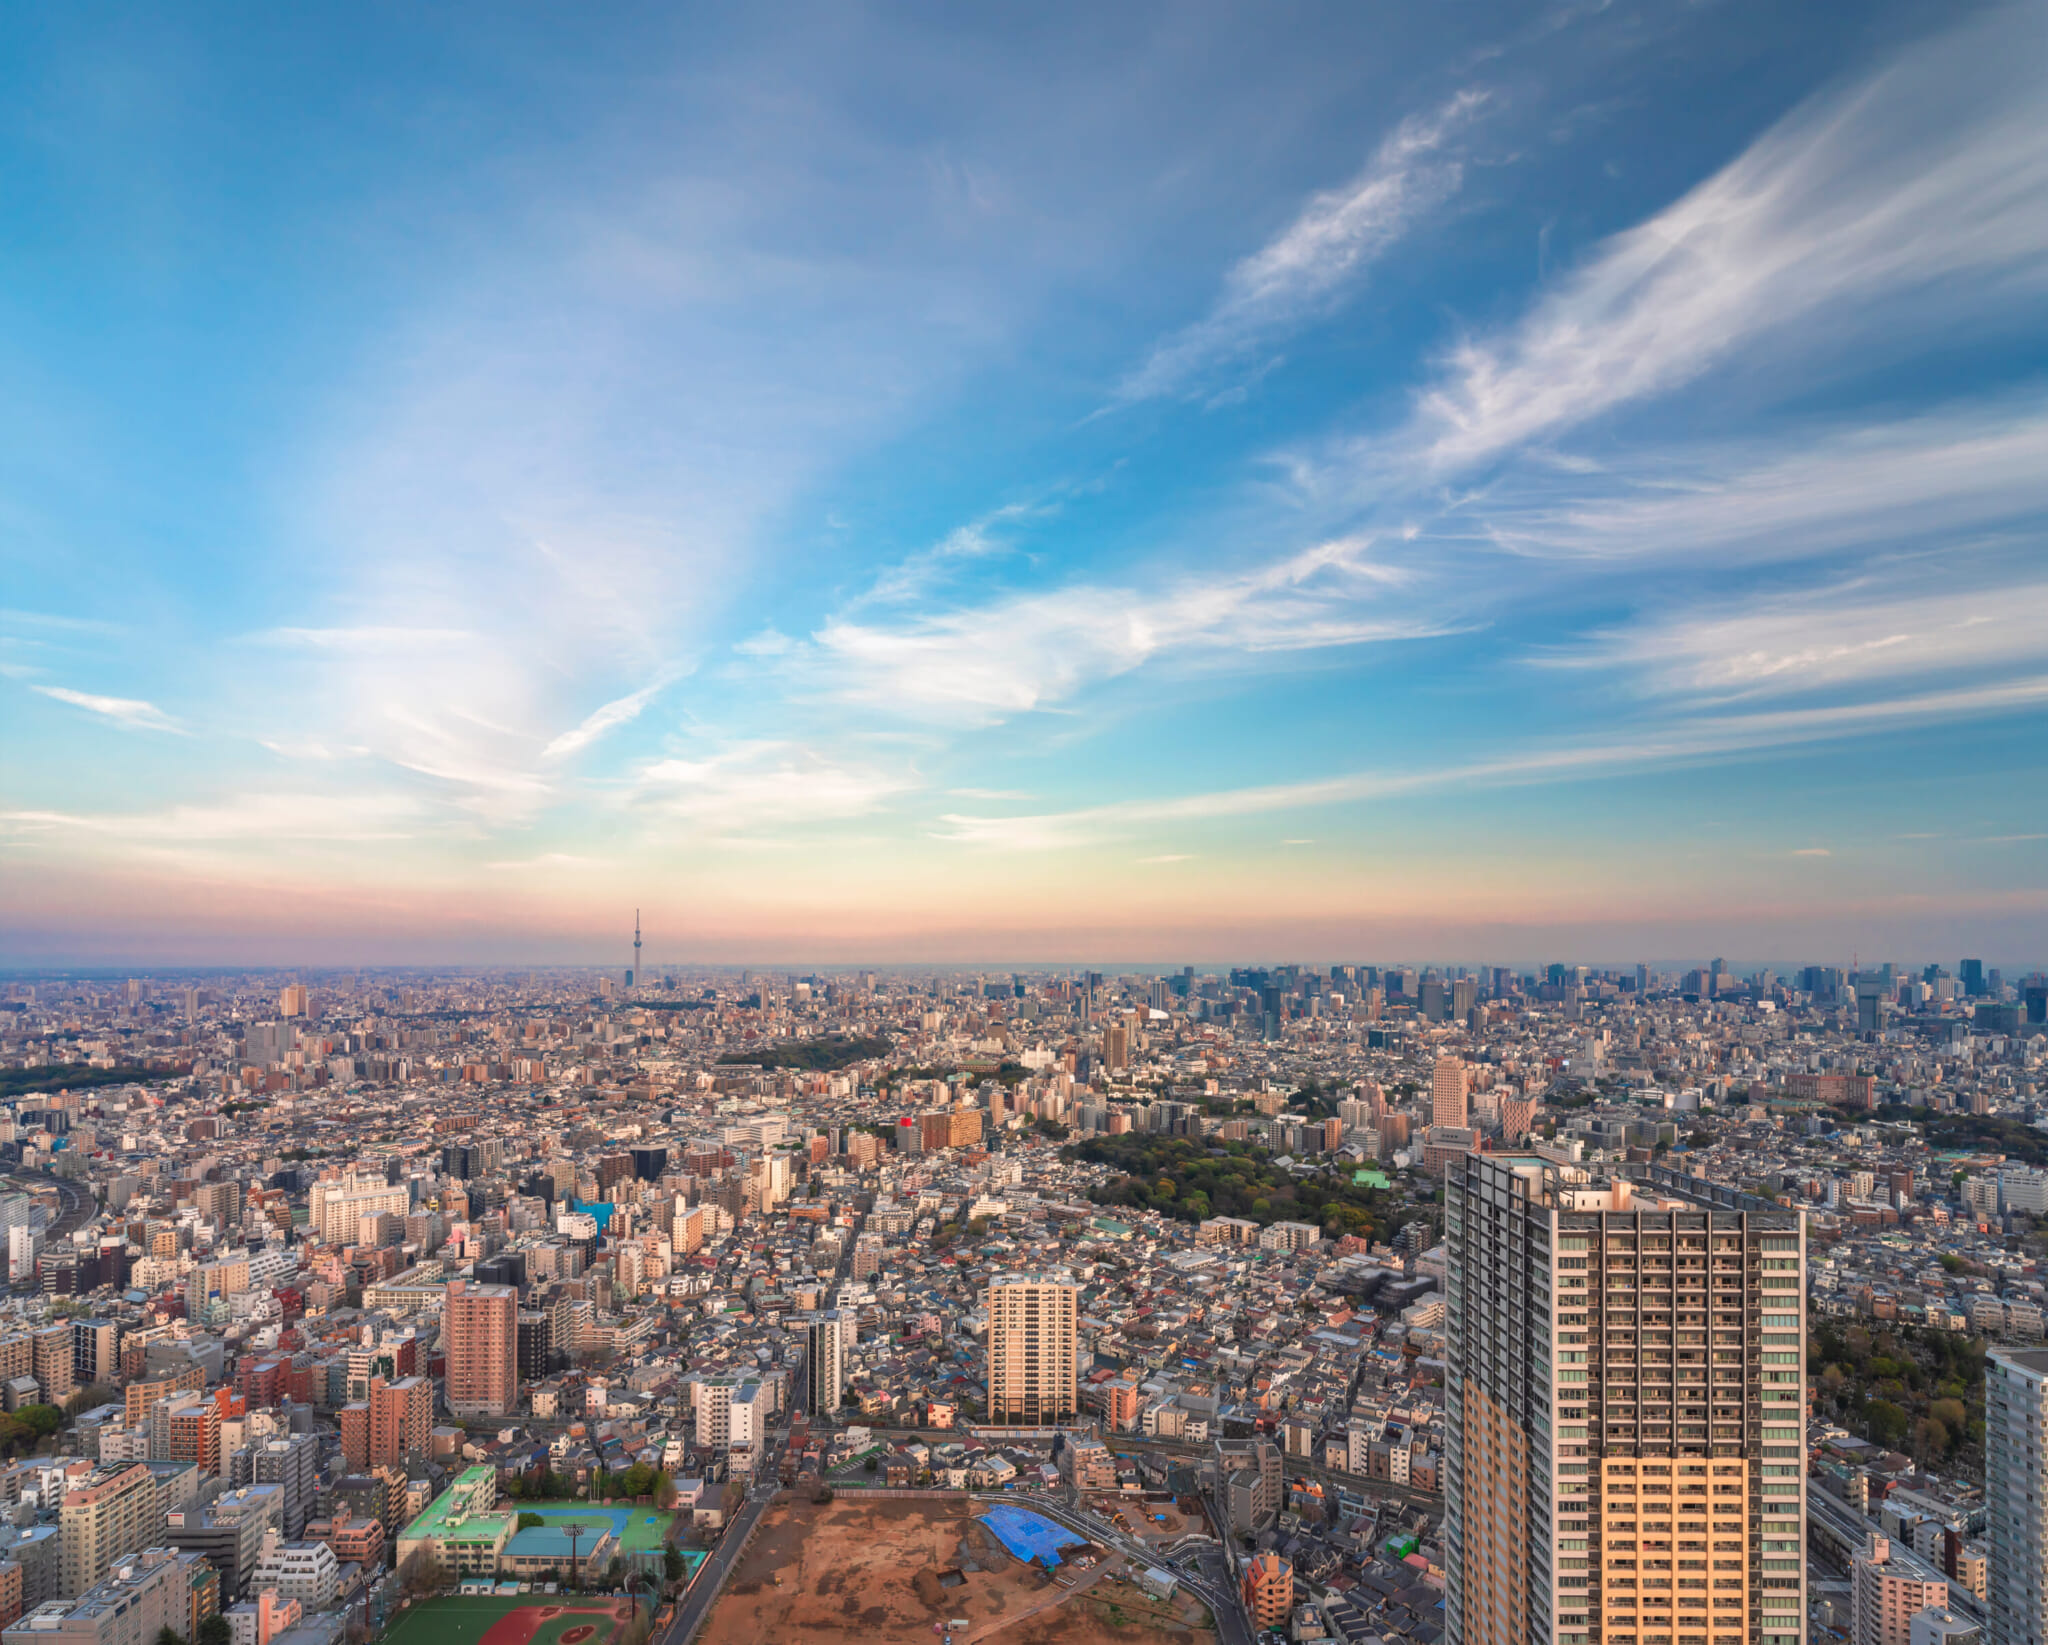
[
  {"x": 1133, "y": 1444},
  {"x": 1213, "y": 1590},
  {"x": 710, "y": 1577}
]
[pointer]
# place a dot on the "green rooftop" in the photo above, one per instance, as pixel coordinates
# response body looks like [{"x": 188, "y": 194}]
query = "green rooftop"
[{"x": 474, "y": 1494}]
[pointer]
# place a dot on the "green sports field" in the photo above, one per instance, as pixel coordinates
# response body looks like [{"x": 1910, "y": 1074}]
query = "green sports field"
[
  {"x": 639, "y": 1530},
  {"x": 521, "y": 1619}
]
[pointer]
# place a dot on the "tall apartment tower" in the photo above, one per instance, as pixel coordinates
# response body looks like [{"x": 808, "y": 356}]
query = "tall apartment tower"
[
  {"x": 2016, "y": 1494},
  {"x": 401, "y": 1420},
  {"x": 1032, "y": 1320},
  {"x": 1624, "y": 1401},
  {"x": 1448, "y": 1088},
  {"x": 116, "y": 1513},
  {"x": 827, "y": 1348},
  {"x": 481, "y": 1328}
]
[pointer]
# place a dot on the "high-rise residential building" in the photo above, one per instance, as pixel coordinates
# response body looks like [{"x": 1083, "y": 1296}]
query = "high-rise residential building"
[
  {"x": 1032, "y": 1323},
  {"x": 54, "y": 1363},
  {"x": 1248, "y": 1479},
  {"x": 293, "y": 1465},
  {"x": 714, "y": 1411},
  {"x": 292, "y": 1000},
  {"x": 215, "y": 1282},
  {"x": 1449, "y": 1086},
  {"x": 1889, "y": 1586},
  {"x": 1116, "y": 1046},
  {"x": 116, "y": 1513},
  {"x": 187, "y": 1429},
  {"x": 480, "y": 1327},
  {"x": 1268, "y": 1591},
  {"x": 400, "y": 1422},
  {"x": 2016, "y": 1494},
  {"x": 95, "y": 1351},
  {"x": 1624, "y": 1391},
  {"x": 338, "y": 1205},
  {"x": 827, "y": 1359}
]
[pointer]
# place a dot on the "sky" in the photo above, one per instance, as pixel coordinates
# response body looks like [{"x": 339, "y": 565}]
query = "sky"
[{"x": 1043, "y": 484}]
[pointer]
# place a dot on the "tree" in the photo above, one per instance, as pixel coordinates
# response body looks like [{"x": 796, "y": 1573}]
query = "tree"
[
  {"x": 40, "y": 1420},
  {"x": 167, "y": 1635},
  {"x": 531, "y": 1522},
  {"x": 213, "y": 1630},
  {"x": 673, "y": 1565}
]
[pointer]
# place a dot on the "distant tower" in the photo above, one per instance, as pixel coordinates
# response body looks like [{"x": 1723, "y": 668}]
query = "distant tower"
[{"x": 634, "y": 975}]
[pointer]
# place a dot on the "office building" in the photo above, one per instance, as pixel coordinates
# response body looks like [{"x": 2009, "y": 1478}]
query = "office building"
[
  {"x": 480, "y": 1326},
  {"x": 1032, "y": 1320},
  {"x": 1449, "y": 1088},
  {"x": 1624, "y": 1389},
  {"x": 2016, "y": 1494}
]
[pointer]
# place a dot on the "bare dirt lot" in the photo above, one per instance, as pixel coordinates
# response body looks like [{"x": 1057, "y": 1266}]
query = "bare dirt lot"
[
  {"x": 1137, "y": 1515},
  {"x": 871, "y": 1572}
]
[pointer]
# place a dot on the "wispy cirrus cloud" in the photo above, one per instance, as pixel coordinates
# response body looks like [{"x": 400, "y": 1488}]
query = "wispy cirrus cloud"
[
  {"x": 1832, "y": 637},
  {"x": 130, "y": 712},
  {"x": 619, "y": 711},
  {"x": 356, "y": 817},
  {"x": 1927, "y": 176},
  {"x": 913, "y": 578},
  {"x": 1702, "y": 737},
  {"x": 1948, "y": 473},
  {"x": 1032, "y": 651},
  {"x": 744, "y": 787},
  {"x": 1319, "y": 258}
]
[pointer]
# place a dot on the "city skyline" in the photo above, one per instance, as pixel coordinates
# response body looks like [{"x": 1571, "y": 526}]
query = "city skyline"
[{"x": 881, "y": 488}]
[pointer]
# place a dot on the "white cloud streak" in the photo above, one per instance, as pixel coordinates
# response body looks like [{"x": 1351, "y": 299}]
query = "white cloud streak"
[
  {"x": 620, "y": 711},
  {"x": 1706, "y": 737},
  {"x": 747, "y": 787},
  {"x": 245, "y": 818},
  {"x": 1830, "y": 639},
  {"x": 1932, "y": 171},
  {"x": 130, "y": 712},
  {"x": 1953, "y": 473},
  {"x": 1033, "y": 651},
  {"x": 1318, "y": 258}
]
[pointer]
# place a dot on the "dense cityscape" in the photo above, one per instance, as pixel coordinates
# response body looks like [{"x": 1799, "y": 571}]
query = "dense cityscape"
[
  {"x": 1052, "y": 824},
  {"x": 317, "y": 1279}
]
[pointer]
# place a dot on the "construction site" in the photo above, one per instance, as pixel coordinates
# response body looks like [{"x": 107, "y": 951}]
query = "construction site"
[{"x": 930, "y": 1569}]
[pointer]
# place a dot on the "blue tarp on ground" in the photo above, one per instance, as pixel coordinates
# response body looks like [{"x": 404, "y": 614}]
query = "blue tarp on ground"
[{"x": 1030, "y": 1536}]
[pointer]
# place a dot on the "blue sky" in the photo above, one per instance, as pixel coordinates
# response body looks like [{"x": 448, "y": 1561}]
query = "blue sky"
[{"x": 1452, "y": 482}]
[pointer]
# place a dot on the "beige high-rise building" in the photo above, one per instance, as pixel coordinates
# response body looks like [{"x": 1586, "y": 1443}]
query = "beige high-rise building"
[
  {"x": 1032, "y": 1324},
  {"x": 55, "y": 1363},
  {"x": 116, "y": 1513},
  {"x": 1624, "y": 1397},
  {"x": 481, "y": 1328},
  {"x": 338, "y": 1205},
  {"x": 1448, "y": 1089}
]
